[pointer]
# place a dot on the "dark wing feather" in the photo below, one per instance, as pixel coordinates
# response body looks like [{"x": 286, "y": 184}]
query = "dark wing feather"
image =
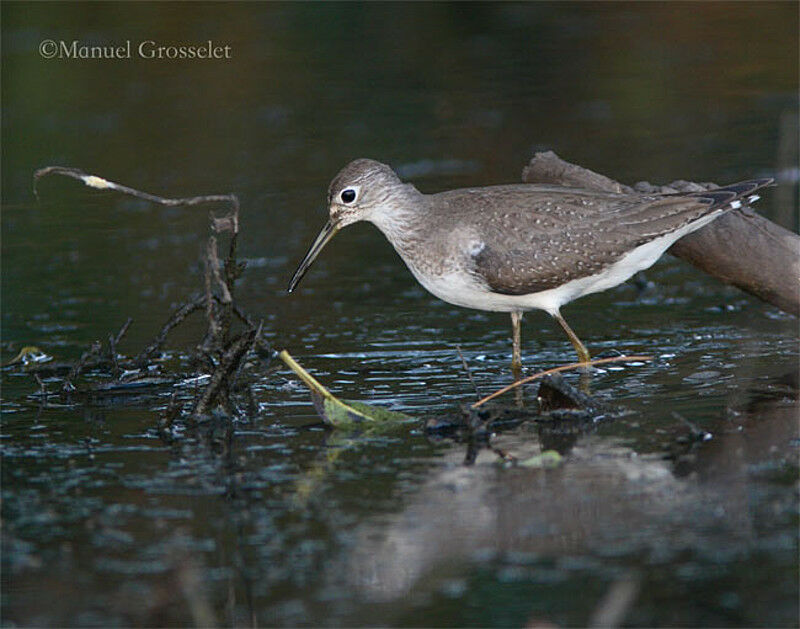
[{"x": 555, "y": 249}]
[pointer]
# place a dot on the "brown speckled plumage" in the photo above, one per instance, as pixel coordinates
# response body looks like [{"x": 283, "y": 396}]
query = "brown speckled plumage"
[{"x": 538, "y": 237}]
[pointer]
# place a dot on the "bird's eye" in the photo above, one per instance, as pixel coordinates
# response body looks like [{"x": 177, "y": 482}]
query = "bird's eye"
[{"x": 348, "y": 195}]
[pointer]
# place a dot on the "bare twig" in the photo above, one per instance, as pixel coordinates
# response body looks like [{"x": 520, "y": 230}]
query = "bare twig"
[
  {"x": 113, "y": 342},
  {"x": 112, "y": 350},
  {"x": 469, "y": 372},
  {"x": 213, "y": 328},
  {"x": 42, "y": 388},
  {"x": 179, "y": 315},
  {"x": 240, "y": 364},
  {"x": 227, "y": 223},
  {"x": 99, "y": 183},
  {"x": 216, "y": 391},
  {"x": 233, "y": 269},
  {"x": 214, "y": 266},
  {"x": 220, "y": 318},
  {"x": 242, "y": 316},
  {"x": 123, "y": 330},
  {"x": 88, "y": 357},
  {"x": 591, "y": 363}
]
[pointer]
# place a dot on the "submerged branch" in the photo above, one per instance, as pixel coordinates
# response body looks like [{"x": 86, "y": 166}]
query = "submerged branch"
[
  {"x": 221, "y": 351},
  {"x": 176, "y": 318},
  {"x": 541, "y": 374},
  {"x": 469, "y": 372},
  {"x": 222, "y": 380}
]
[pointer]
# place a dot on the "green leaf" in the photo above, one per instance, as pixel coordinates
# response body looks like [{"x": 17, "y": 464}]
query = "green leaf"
[
  {"x": 548, "y": 458},
  {"x": 29, "y": 355},
  {"x": 338, "y": 413}
]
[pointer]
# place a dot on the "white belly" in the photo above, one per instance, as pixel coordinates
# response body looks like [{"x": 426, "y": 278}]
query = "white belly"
[{"x": 462, "y": 289}]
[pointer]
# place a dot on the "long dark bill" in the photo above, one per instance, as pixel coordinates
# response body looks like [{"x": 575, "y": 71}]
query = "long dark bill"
[{"x": 328, "y": 232}]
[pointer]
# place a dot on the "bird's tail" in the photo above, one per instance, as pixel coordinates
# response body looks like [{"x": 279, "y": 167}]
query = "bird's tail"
[{"x": 735, "y": 195}]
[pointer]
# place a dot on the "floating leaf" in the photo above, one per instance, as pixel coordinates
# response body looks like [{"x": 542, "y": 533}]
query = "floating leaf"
[
  {"x": 342, "y": 413},
  {"x": 548, "y": 458},
  {"x": 29, "y": 355}
]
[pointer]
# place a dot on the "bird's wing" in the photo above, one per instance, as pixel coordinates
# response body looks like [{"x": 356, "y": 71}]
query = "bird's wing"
[
  {"x": 576, "y": 235},
  {"x": 541, "y": 261}
]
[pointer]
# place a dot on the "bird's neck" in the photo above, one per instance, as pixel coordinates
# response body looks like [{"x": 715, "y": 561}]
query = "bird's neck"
[{"x": 398, "y": 216}]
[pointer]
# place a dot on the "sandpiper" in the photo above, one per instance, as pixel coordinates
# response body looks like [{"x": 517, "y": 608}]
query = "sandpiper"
[{"x": 518, "y": 247}]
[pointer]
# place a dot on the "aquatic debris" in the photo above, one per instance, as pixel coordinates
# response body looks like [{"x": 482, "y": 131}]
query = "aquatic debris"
[
  {"x": 342, "y": 413},
  {"x": 559, "y": 400},
  {"x": 546, "y": 459},
  {"x": 541, "y": 374},
  {"x": 219, "y": 356},
  {"x": 29, "y": 355}
]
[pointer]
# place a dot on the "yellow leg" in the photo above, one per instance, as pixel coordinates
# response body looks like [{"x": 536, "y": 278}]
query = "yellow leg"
[
  {"x": 583, "y": 353},
  {"x": 516, "y": 347}
]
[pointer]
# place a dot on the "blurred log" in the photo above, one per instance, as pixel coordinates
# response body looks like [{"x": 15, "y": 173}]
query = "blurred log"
[{"x": 740, "y": 248}]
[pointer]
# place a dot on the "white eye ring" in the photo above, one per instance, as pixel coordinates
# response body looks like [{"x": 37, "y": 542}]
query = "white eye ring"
[{"x": 349, "y": 195}]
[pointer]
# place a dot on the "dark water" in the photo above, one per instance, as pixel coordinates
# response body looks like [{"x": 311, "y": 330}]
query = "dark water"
[{"x": 105, "y": 524}]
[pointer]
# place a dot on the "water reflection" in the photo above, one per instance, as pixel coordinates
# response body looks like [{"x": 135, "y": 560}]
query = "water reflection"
[{"x": 609, "y": 501}]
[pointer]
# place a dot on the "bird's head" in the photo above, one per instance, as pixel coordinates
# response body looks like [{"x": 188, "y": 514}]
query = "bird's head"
[{"x": 362, "y": 191}]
